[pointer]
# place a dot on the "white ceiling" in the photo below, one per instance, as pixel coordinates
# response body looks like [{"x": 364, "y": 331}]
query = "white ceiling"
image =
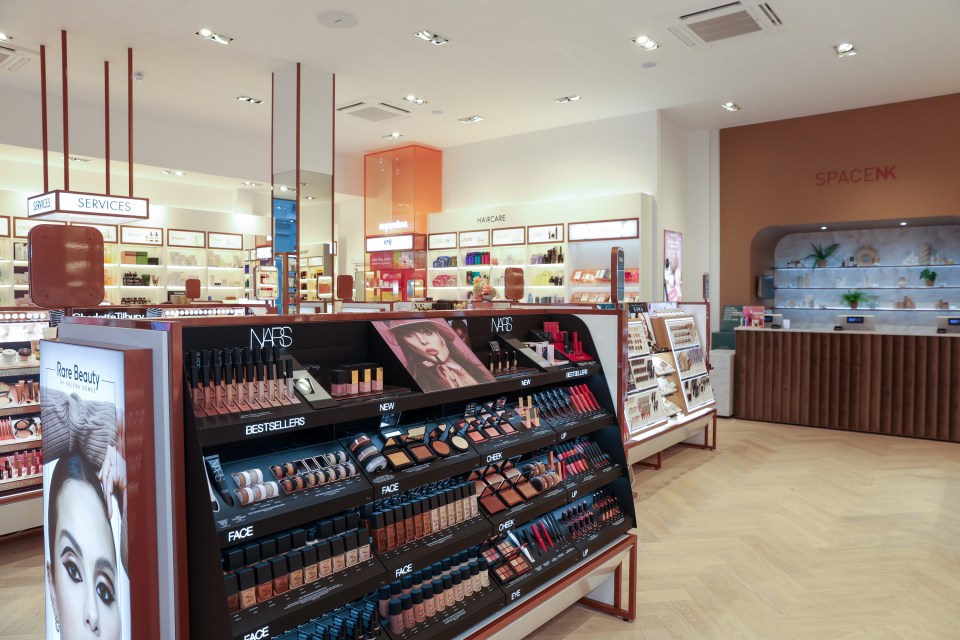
[{"x": 506, "y": 60}]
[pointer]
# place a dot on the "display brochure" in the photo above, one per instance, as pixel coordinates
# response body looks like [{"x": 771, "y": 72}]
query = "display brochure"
[
  {"x": 753, "y": 316},
  {"x": 433, "y": 353},
  {"x": 672, "y": 262}
]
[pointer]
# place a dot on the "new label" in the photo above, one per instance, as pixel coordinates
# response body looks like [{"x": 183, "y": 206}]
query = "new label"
[
  {"x": 526, "y": 382},
  {"x": 387, "y": 406}
]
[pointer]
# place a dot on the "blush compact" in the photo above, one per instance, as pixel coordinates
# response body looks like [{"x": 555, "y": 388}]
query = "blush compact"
[
  {"x": 421, "y": 453},
  {"x": 441, "y": 448}
]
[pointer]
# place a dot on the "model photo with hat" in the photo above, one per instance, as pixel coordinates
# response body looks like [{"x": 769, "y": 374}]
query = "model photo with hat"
[{"x": 433, "y": 353}]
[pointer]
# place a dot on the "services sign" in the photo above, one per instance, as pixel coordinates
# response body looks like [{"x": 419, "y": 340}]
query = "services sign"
[{"x": 70, "y": 205}]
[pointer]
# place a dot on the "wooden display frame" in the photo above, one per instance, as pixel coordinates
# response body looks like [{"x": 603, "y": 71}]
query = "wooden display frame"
[
  {"x": 493, "y": 237},
  {"x": 212, "y": 235},
  {"x": 4, "y": 226},
  {"x": 431, "y": 236},
  {"x": 460, "y": 235},
  {"x": 159, "y": 231},
  {"x": 560, "y": 227},
  {"x": 202, "y": 234},
  {"x": 18, "y": 224},
  {"x": 605, "y": 238}
]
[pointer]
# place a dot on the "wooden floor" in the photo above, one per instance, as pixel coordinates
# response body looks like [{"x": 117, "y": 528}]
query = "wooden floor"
[{"x": 783, "y": 533}]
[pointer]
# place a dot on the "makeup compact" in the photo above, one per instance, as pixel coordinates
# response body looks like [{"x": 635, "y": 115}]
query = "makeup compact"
[
  {"x": 399, "y": 459},
  {"x": 421, "y": 453},
  {"x": 441, "y": 448}
]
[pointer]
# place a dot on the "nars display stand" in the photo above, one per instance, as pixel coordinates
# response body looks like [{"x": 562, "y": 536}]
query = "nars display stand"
[{"x": 297, "y": 476}]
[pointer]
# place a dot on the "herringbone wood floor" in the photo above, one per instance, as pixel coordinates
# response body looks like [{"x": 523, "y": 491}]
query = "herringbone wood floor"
[{"x": 783, "y": 533}]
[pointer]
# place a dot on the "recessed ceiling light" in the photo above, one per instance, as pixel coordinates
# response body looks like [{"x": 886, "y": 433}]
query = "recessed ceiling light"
[
  {"x": 845, "y": 49},
  {"x": 249, "y": 183},
  {"x": 646, "y": 43},
  {"x": 76, "y": 159},
  {"x": 823, "y": 227},
  {"x": 394, "y": 135},
  {"x": 249, "y": 100},
  {"x": 731, "y": 106},
  {"x": 903, "y": 224},
  {"x": 471, "y": 119},
  {"x": 311, "y": 197},
  {"x": 208, "y": 34},
  {"x": 567, "y": 99},
  {"x": 5, "y": 37},
  {"x": 337, "y": 19},
  {"x": 414, "y": 99},
  {"x": 431, "y": 37},
  {"x": 174, "y": 172},
  {"x": 284, "y": 187}
]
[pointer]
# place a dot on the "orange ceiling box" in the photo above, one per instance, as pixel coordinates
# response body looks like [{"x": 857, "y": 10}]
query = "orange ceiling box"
[
  {"x": 66, "y": 266},
  {"x": 401, "y": 187}
]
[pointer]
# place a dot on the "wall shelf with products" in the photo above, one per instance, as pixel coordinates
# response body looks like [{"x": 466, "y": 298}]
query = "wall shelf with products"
[
  {"x": 21, "y": 476},
  {"x": 346, "y": 479},
  {"x": 877, "y": 263}
]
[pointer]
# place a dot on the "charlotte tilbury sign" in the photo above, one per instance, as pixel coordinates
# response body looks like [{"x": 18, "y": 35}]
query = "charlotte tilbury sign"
[{"x": 87, "y": 207}]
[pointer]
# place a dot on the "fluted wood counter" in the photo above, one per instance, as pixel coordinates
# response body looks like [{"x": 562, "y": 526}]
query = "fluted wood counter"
[{"x": 906, "y": 385}]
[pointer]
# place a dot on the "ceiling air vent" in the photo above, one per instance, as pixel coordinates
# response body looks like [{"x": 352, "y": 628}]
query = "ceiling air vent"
[
  {"x": 15, "y": 58},
  {"x": 723, "y": 22},
  {"x": 372, "y": 110}
]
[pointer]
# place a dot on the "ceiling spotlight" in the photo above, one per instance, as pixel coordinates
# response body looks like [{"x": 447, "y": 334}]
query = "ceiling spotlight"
[
  {"x": 471, "y": 119},
  {"x": 138, "y": 76},
  {"x": 76, "y": 159},
  {"x": 311, "y": 197},
  {"x": 414, "y": 99},
  {"x": 845, "y": 49},
  {"x": 903, "y": 223},
  {"x": 173, "y": 172},
  {"x": 248, "y": 183},
  {"x": 431, "y": 37},
  {"x": 249, "y": 100},
  {"x": 208, "y": 34},
  {"x": 566, "y": 99},
  {"x": 394, "y": 135},
  {"x": 5, "y": 37},
  {"x": 284, "y": 187},
  {"x": 731, "y": 106},
  {"x": 823, "y": 227},
  {"x": 646, "y": 43}
]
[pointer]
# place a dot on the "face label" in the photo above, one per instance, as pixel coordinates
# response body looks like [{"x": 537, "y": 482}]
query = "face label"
[
  {"x": 240, "y": 534},
  {"x": 404, "y": 570},
  {"x": 259, "y": 634},
  {"x": 390, "y": 488}
]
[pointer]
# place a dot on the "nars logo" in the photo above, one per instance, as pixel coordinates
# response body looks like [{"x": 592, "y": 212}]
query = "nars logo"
[
  {"x": 259, "y": 634},
  {"x": 240, "y": 534},
  {"x": 501, "y": 325},
  {"x": 271, "y": 337}
]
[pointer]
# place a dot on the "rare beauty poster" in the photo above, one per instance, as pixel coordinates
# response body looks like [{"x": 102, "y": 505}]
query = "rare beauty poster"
[
  {"x": 672, "y": 259},
  {"x": 84, "y": 493},
  {"x": 433, "y": 353}
]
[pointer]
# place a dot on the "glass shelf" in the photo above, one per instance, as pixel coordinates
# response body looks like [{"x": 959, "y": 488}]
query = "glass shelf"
[
  {"x": 871, "y": 266},
  {"x": 860, "y": 310},
  {"x": 863, "y": 288}
]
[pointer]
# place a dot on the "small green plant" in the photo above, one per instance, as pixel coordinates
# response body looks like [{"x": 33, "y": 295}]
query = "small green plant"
[
  {"x": 929, "y": 276},
  {"x": 853, "y": 297},
  {"x": 821, "y": 254}
]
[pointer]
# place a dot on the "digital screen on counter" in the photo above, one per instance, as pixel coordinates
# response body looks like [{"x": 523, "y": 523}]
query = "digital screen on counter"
[
  {"x": 854, "y": 319},
  {"x": 767, "y": 319},
  {"x": 953, "y": 322}
]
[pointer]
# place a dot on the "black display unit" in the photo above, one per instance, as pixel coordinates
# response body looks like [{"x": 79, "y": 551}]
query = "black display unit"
[{"x": 534, "y": 495}]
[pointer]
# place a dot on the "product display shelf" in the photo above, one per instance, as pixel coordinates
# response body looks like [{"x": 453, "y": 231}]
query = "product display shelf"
[
  {"x": 669, "y": 398},
  {"x": 20, "y": 425},
  {"x": 275, "y": 434}
]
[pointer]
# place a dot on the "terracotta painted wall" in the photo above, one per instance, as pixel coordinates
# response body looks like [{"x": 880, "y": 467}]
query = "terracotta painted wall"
[{"x": 769, "y": 176}]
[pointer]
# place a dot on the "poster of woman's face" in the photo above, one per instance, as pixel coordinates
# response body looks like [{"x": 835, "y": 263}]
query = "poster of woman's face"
[
  {"x": 84, "y": 496},
  {"x": 433, "y": 353}
]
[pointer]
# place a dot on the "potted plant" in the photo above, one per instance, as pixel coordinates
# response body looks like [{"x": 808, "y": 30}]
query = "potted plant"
[
  {"x": 929, "y": 276},
  {"x": 821, "y": 254},
  {"x": 854, "y": 297},
  {"x": 482, "y": 290}
]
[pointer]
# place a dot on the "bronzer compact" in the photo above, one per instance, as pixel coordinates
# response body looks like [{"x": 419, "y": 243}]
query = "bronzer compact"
[
  {"x": 401, "y": 448},
  {"x": 501, "y": 487}
]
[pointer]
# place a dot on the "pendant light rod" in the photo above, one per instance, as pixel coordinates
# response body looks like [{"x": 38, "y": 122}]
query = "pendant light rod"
[
  {"x": 130, "y": 117},
  {"x": 66, "y": 124},
  {"x": 43, "y": 118},
  {"x": 106, "y": 119}
]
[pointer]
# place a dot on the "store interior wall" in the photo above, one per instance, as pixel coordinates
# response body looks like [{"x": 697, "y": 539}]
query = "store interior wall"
[{"x": 770, "y": 175}]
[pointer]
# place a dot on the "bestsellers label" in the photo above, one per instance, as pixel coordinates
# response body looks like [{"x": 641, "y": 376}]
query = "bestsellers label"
[{"x": 274, "y": 425}]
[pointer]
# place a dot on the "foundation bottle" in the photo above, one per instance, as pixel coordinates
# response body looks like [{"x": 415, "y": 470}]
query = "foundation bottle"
[
  {"x": 264, "y": 582},
  {"x": 281, "y": 576},
  {"x": 406, "y": 603},
  {"x": 417, "y": 520},
  {"x": 465, "y": 582},
  {"x": 310, "y": 567},
  {"x": 448, "y": 594},
  {"x": 248, "y": 588},
  {"x": 439, "y": 600},
  {"x": 442, "y": 509},
  {"x": 233, "y": 593},
  {"x": 379, "y": 528},
  {"x": 428, "y": 607},
  {"x": 383, "y": 601},
  {"x": 434, "y": 513},
  {"x": 483, "y": 569},
  {"x": 390, "y": 530},
  {"x": 363, "y": 542},
  {"x": 457, "y": 586},
  {"x": 406, "y": 585},
  {"x": 408, "y": 522},
  {"x": 427, "y": 521},
  {"x": 452, "y": 518},
  {"x": 338, "y": 553},
  {"x": 396, "y": 617},
  {"x": 352, "y": 554},
  {"x": 419, "y": 612},
  {"x": 295, "y": 565},
  {"x": 324, "y": 561},
  {"x": 399, "y": 526},
  {"x": 475, "y": 576}
]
